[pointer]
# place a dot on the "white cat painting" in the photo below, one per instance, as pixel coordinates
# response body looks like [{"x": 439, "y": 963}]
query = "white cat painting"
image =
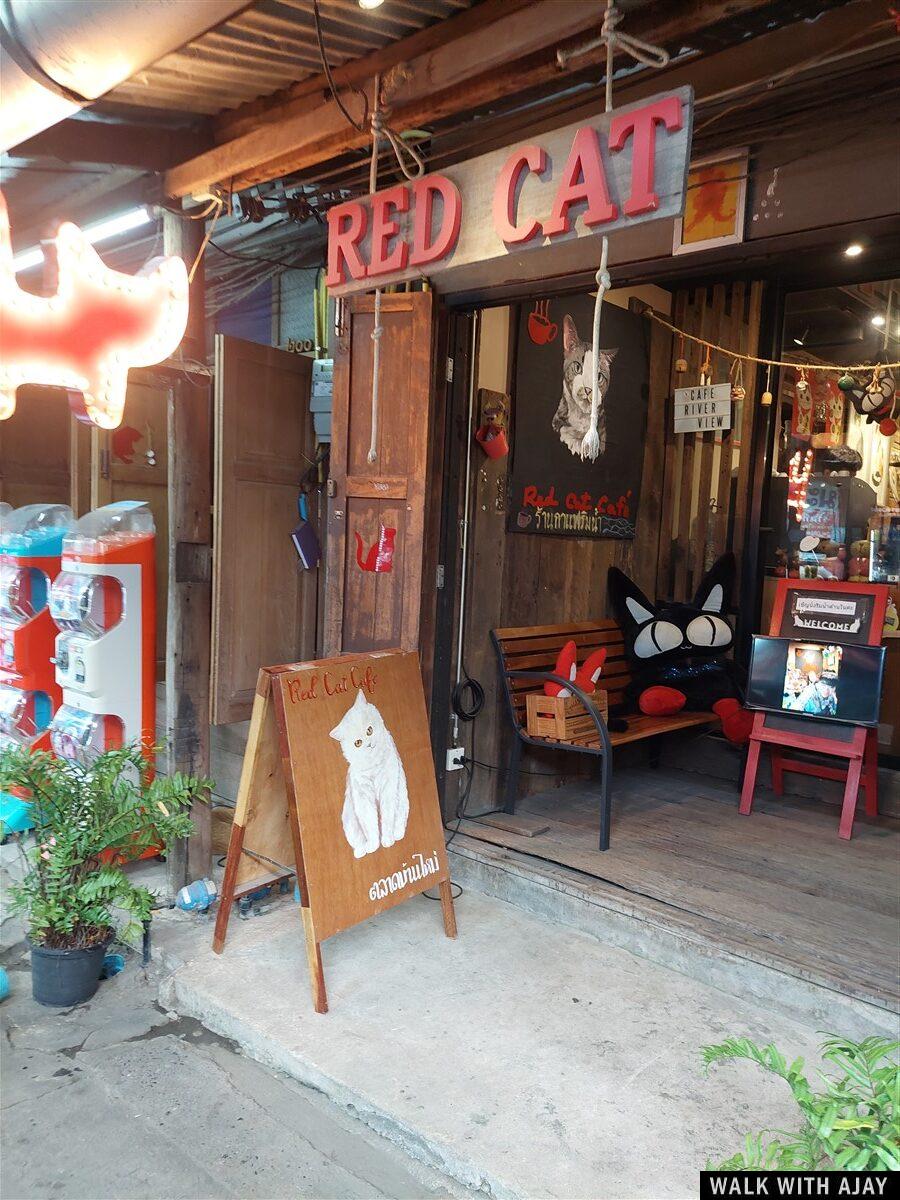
[{"x": 376, "y": 800}]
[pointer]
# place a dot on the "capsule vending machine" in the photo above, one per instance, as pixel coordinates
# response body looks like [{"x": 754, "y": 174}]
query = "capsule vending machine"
[
  {"x": 104, "y": 602},
  {"x": 31, "y": 540}
]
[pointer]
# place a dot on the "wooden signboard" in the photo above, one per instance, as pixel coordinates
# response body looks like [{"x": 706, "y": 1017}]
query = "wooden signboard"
[
  {"x": 702, "y": 409},
  {"x": 619, "y": 169},
  {"x": 338, "y": 785},
  {"x": 837, "y": 612}
]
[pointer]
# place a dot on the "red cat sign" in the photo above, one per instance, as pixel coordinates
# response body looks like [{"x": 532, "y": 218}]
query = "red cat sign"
[
  {"x": 98, "y": 324},
  {"x": 619, "y": 169}
]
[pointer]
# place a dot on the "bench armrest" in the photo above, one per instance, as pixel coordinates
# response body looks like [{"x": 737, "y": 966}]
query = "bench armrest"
[{"x": 576, "y": 691}]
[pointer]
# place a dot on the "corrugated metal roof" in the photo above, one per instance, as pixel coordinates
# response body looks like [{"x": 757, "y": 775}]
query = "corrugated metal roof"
[{"x": 268, "y": 46}]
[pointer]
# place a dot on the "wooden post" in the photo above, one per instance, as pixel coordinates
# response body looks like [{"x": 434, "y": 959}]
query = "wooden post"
[{"x": 190, "y": 550}]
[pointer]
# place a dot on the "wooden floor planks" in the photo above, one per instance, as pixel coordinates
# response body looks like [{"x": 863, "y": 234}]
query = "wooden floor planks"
[{"x": 779, "y": 884}]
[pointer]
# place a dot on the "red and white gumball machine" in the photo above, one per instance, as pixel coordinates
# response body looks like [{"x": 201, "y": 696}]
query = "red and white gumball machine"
[
  {"x": 31, "y": 540},
  {"x": 104, "y": 602}
]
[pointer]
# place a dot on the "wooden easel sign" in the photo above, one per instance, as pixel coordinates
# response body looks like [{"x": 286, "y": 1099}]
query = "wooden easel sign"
[{"x": 338, "y": 784}]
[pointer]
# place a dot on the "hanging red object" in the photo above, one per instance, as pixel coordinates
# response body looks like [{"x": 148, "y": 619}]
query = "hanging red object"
[
  {"x": 98, "y": 324},
  {"x": 492, "y": 440}
]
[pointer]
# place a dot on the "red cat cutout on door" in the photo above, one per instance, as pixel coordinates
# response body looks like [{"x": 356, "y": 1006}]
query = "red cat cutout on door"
[{"x": 380, "y": 555}]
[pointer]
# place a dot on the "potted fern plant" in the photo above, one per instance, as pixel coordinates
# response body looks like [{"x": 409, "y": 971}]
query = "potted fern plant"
[{"x": 89, "y": 819}]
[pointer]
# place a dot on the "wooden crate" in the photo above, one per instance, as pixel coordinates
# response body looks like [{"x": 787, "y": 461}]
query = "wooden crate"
[{"x": 562, "y": 718}]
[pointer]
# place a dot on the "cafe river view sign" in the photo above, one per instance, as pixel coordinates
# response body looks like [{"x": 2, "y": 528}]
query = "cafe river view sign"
[
  {"x": 703, "y": 408},
  {"x": 620, "y": 169}
]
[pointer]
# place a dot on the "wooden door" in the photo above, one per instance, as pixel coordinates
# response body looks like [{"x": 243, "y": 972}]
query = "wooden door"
[
  {"x": 376, "y": 513},
  {"x": 263, "y": 601}
]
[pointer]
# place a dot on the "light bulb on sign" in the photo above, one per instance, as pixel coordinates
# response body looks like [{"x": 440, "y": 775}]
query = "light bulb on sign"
[
  {"x": 98, "y": 324},
  {"x": 370, "y": 3},
  {"x": 854, "y": 250},
  {"x": 878, "y": 320}
]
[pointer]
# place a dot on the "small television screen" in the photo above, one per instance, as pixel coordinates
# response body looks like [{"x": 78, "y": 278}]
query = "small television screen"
[{"x": 826, "y": 680}]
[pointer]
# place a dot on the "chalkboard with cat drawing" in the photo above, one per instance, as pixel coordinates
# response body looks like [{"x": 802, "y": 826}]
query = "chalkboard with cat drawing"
[
  {"x": 338, "y": 784},
  {"x": 552, "y": 489}
]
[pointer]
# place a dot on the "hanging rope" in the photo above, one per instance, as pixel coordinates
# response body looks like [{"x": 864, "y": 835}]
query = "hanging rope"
[
  {"x": 650, "y": 56},
  {"x": 412, "y": 166}
]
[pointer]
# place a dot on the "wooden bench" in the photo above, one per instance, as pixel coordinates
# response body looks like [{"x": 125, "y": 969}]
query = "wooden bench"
[{"x": 527, "y": 658}]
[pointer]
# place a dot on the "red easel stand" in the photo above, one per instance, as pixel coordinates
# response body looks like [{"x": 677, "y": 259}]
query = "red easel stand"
[
  {"x": 861, "y": 753},
  {"x": 858, "y": 744}
]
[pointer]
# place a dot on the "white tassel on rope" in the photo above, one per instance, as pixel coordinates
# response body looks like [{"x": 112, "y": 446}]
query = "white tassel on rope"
[
  {"x": 380, "y": 129},
  {"x": 590, "y": 443}
]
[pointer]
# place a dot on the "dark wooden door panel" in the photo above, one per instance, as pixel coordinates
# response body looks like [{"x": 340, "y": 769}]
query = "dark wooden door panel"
[{"x": 376, "y": 513}]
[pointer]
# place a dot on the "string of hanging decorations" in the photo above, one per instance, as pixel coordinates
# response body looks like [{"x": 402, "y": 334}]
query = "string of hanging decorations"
[
  {"x": 742, "y": 356},
  {"x": 875, "y": 400}
]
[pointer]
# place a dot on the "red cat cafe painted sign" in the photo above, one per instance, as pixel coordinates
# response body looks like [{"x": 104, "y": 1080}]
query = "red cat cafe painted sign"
[{"x": 620, "y": 169}]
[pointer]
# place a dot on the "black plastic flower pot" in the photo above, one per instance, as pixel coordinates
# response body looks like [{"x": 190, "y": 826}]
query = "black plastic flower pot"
[{"x": 61, "y": 978}]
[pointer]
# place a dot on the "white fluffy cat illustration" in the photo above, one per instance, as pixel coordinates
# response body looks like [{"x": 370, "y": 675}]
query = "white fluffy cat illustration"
[
  {"x": 573, "y": 415},
  {"x": 376, "y": 801}
]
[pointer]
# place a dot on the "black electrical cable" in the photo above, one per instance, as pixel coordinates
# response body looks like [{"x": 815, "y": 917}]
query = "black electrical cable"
[
  {"x": 359, "y": 126},
  {"x": 260, "y": 258},
  {"x": 467, "y": 698}
]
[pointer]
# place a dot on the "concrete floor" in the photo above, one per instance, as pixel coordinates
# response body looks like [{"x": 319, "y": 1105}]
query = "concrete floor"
[
  {"x": 114, "y": 1100},
  {"x": 525, "y": 1058}
]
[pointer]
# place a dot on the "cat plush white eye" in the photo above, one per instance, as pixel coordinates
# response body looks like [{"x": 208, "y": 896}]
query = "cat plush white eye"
[
  {"x": 358, "y": 743},
  {"x": 709, "y": 631},
  {"x": 369, "y": 731},
  {"x": 657, "y": 638}
]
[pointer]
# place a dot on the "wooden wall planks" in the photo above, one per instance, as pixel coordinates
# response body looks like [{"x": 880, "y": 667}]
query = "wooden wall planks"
[{"x": 520, "y": 580}]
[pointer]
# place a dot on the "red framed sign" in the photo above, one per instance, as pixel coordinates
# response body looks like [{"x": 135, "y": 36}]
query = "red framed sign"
[{"x": 814, "y": 609}]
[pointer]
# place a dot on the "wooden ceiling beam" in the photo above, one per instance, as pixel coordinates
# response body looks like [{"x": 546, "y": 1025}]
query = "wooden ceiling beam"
[
  {"x": 301, "y": 96},
  {"x": 433, "y": 84},
  {"x": 143, "y": 147},
  {"x": 481, "y": 67}
]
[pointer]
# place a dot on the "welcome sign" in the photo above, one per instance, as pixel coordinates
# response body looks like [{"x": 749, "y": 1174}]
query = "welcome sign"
[
  {"x": 338, "y": 781},
  {"x": 620, "y": 169}
]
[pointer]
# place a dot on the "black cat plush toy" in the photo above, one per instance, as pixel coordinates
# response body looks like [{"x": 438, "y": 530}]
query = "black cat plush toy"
[{"x": 677, "y": 652}]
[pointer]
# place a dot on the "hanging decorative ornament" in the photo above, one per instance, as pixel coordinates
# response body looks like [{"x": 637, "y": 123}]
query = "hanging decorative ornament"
[
  {"x": 802, "y": 389},
  {"x": 706, "y": 369},
  {"x": 150, "y": 453},
  {"x": 680, "y": 362},
  {"x": 738, "y": 391},
  {"x": 766, "y": 398}
]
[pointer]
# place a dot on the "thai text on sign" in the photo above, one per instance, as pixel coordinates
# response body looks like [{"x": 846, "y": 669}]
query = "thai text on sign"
[{"x": 619, "y": 169}]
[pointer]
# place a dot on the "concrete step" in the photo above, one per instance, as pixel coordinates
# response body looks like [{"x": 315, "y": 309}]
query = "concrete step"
[
  {"x": 523, "y": 1059},
  {"x": 656, "y": 931}
]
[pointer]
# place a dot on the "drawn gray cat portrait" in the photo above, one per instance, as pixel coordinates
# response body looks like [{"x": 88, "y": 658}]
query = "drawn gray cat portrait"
[
  {"x": 573, "y": 416},
  {"x": 376, "y": 800}
]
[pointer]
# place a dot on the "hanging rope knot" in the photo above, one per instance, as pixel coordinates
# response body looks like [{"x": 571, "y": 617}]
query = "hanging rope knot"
[
  {"x": 603, "y": 280},
  {"x": 612, "y": 39},
  {"x": 409, "y": 160},
  {"x": 377, "y": 332}
]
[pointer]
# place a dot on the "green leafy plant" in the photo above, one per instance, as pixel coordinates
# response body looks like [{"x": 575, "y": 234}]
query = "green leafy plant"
[
  {"x": 89, "y": 819},
  {"x": 851, "y": 1124}
]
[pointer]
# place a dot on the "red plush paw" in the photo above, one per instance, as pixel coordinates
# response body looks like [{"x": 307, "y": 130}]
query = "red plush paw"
[
  {"x": 737, "y": 722},
  {"x": 661, "y": 701}
]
